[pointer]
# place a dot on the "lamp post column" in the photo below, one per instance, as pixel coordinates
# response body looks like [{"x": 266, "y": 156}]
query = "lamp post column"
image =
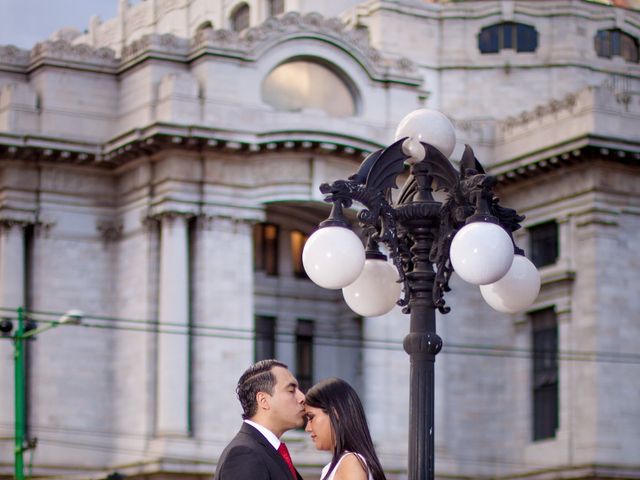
[
  {"x": 420, "y": 221},
  {"x": 12, "y": 296},
  {"x": 19, "y": 399}
]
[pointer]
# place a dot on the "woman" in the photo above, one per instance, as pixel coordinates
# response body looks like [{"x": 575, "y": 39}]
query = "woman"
[{"x": 337, "y": 423}]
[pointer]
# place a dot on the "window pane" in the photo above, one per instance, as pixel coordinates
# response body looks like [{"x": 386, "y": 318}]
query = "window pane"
[
  {"x": 304, "y": 354},
  {"x": 298, "y": 239},
  {"x": 545, "y": 411},
  {"x": 615, "y": 42},
  {"x": 544, "y": 244},
  {"x": 628, "y": 48},
  {"x": 507, "y": 35},
  {"x": 265, "y": 248},
  {"x": 265, "y": 337},
  {"x": 488, "y": 40},
  {"x": 526, "y": 38},
  {"x": 603, "y": 43},
  {"x": 299, "y": 85},
  {"x": 544, "y": 343},
  {"x": 271, "y": 249}
]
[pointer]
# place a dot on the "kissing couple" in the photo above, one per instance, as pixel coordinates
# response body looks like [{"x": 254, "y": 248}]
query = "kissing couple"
[{"x": 272, "y": 404}]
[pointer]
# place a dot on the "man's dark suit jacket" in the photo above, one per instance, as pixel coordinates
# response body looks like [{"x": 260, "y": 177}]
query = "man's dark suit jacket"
[{"x": 250, "y": 456}]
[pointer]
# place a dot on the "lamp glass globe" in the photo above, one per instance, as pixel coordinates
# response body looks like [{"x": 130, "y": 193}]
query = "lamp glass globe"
[
  {"x": 517, "y": 290},
  {"x": 376, "y": 291},
  {"x": 333, "y": 257},
  {"x": 481, "y": 253},
  {"x": 428, "y": 126}
]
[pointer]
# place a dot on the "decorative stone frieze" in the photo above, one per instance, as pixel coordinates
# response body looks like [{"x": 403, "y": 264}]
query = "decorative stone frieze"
[
  {"x": 165, "y": 44},
  {"x": 12, "y": 55},
  {"x": 251, "y": 42},
  {"x": 68, "y": 52}
]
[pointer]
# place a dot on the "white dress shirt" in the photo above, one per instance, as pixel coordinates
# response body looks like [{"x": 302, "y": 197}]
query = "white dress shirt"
[{"x": 266, "y": 433}]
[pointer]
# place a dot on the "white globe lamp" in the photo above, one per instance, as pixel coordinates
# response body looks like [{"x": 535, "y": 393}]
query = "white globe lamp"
[
  {"x": 428, "y": 126},
  {"x": 481, "y": 253},
  {"x": 333, "y": 257},
  {"x": 517, "y": 290},
  {"x": 376, "y": 291}
]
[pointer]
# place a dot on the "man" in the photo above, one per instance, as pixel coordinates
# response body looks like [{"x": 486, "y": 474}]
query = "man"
[{"x": 272, "y": 403}]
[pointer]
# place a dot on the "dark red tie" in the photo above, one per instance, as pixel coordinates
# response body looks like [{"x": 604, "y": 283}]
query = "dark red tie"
[{"x": 282, "y": 450}]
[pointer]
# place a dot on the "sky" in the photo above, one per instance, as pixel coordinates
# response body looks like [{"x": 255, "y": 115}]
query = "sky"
[{"x": 23, "y": 23}]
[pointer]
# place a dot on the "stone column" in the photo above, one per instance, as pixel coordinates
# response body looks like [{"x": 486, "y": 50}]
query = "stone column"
[
  {"x": 12, "y": 296},
  {"x": 173, "y": 339}
]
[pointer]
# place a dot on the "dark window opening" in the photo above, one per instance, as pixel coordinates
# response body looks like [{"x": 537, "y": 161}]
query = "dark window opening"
[
  {"x": 240, "y": 18},
  {"x": 264, "y": 346},
  {"x": 543, "y": 241},
  {"x": 192, "y": 259},
  {"x": 509, "y": 36},
  {"x": 544, "y": 326},
  {"x": 616, "y": 43},
  {"x": 298, "y": 239},
  {"x": 304, "y": 354},
  {"x": 276, "y": 7},
  {"x": 265, "y": 248}
]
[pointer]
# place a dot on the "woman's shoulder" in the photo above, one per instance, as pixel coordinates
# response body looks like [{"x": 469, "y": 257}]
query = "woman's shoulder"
[{"x": 352, "y": 467}]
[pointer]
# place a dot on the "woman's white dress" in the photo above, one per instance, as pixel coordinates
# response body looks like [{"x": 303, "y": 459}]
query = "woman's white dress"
[{"x": 333, "y": 474}]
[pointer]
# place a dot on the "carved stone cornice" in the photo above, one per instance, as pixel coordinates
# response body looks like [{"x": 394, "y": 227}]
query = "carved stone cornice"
[
  {"x": 163, "y": 44},
  {"x": 159, "y": 215},
  {"x": 58, "y": 52},
  {"x": 251, "y": 42},
  {"x": 62, "y": 50},
  {"x": 7, "y": 223},
  {"x": 12, "y": 55}
]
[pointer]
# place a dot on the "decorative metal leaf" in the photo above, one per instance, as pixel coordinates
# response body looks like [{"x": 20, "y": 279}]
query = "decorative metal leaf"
[
  {"x": 365, "y": 167},
  {"x": 469, "y": 162},
  {"x": 386, "y": 168},
  {"x": 444, "y": 174},
  {"x": 409, "y": 189}
]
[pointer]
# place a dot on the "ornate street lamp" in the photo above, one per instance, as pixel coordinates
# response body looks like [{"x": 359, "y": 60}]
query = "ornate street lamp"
[
  {"x": 25, "y": 330},
  {"x": 427, "y": 240}
]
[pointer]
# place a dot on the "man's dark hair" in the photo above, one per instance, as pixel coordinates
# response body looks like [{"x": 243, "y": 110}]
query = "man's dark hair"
[{"x": 257, "y": 378}]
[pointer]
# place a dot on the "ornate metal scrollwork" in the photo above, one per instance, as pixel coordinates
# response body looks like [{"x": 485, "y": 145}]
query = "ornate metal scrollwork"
[{"x": 415, "y": 213}]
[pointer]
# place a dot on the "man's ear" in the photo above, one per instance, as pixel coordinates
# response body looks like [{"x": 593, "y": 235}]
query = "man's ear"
[{"x": 262, "y": 399}]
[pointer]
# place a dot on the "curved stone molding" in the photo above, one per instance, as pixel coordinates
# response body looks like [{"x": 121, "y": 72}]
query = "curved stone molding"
[
  {"x": 65, "y": 51},
  {"x": 253, "y": 41}
]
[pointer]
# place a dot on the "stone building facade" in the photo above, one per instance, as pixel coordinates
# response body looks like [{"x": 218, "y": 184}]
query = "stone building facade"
[{"x": 161, "y": 171}]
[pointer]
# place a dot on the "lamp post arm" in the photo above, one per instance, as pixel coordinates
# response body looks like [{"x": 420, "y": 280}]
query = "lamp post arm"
[{"x": 39, "y": 330}]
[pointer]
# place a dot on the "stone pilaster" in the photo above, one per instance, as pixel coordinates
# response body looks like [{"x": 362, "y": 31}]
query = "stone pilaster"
[{"x": 172, "y": 416}]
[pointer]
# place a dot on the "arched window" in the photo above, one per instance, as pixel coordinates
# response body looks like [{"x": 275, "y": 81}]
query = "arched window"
[
  {"x": 240, "y": 18},
  {"x": 616, "y": 43},
  {"x": 276, "y": 7},
  {"x": 304, "y": 84},
  {"x": 508, "y": 36},
  {"x": 203, "y": 29},
  {"x": 205, "y": 26}
]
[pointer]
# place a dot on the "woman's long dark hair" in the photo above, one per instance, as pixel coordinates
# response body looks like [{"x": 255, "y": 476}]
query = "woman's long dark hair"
[{"x": 349, "y": 424}]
